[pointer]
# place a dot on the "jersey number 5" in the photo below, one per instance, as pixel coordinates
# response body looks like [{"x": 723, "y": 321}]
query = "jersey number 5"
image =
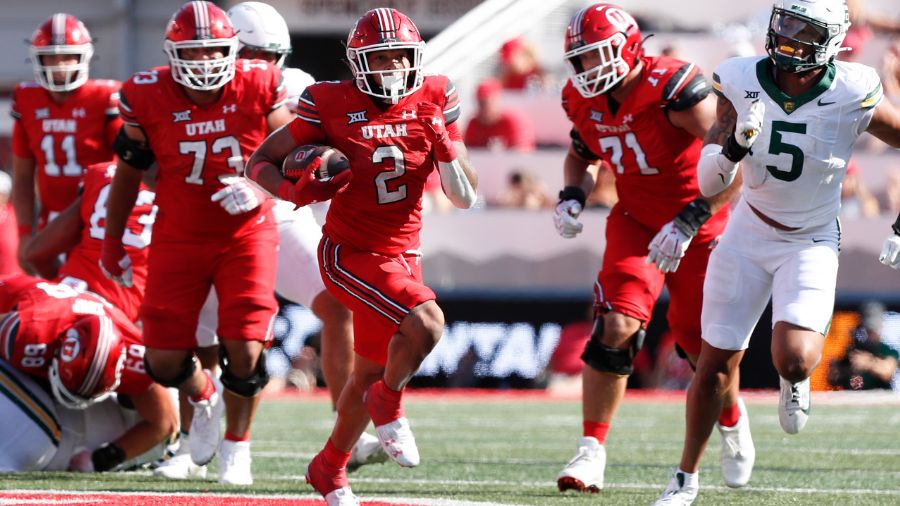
[{"x": 777, "y": 147}]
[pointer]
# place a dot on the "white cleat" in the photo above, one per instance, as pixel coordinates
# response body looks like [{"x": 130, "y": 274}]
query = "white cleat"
[
  {"x": 206, "y": 427},
  {"x": 398, "y": 442},
  {"x": 367, "y": 450},
  {"x": 234, "y": 463},
  {"x": 679, "y": 493},
  {"x": 180, "y": 466},
  {"x": 341, "y": 497},
  {"x": 793, "y": 408},
  {"x": 584, "y": 472},
  {"x": 738, "y": 452}
]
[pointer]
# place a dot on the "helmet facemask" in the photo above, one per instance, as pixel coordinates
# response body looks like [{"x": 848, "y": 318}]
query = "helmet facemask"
[
  {"x": 395, "y": 83},
  {"x": 75, "y": 75},
  {"x": 203, "y": 74},
  {"x": 796, "y": 43},
  {"x": 607, "y": 74}
]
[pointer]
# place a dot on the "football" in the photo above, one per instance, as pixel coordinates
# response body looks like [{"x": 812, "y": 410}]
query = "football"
[{"x": 326, "y": 161}]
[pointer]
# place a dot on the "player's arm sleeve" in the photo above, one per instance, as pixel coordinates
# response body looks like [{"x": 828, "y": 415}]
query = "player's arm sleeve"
[
  {"x": 20, "y": 146},
  {"x": 307, "y": 127},
  {"x": 874, "y": 94},
  {"x": 126, "y": 110},
  {"x": 686, "y": 88},
  {"x": 580, "y": 148}
]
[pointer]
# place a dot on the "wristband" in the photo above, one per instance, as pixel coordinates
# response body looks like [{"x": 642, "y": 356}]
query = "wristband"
[
  {"x": 285, "y": 190},
  {"x": 256, "y": 168},
  {"x": 693, "y": 216},
  {"x": 573, "y": 193},
  {"x": 733, "y": 151},
  {"x": 896, "y": 226},
  {"x": 25, "y": 230},
  {"x": 107, "y": 457}
]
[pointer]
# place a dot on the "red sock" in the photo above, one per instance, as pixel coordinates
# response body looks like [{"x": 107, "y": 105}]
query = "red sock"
[
  {"x": 596, "y": 430},
  {"x": 730, "y": 415},
  {"x": 383, "y": 403},
  {"x": 207, "y": 391},
  {"x": 231, "y": 437},
  {"x": 334, "y": 456}
]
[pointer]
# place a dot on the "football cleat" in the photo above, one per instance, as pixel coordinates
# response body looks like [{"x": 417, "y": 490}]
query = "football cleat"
[
  {"x": 738, "y": 452},
  {"x": 180, "y": 466},
  {"x": 326, "y": 480},
  {"x": 678, "y": 493},
  {"x": 584, "y": 472},
  {"x": 793, "y": 408},
  {"x": 367, "y": 450},
  {"x": 398, "y": 442},
  {"x": 341, "y": 497},
  {"x": 234, "y": 463},
  {"x": 206, "y": 429}
]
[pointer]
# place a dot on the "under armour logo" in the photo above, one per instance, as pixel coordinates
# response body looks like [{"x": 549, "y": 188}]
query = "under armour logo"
[
  {"x": 79, "y": 112},
  {"x": 435, "y": 121},
  {"x": 408, "y": 114},
  {"x": 42, "y": 113},
  {"x": 356, "y": 117},
  {"x": 182, "y": 116},
  {"x": 751, "y": 94},
  {"x": 627, "y": 118},
  {"x": 229, "y": 108},
  {"x": 597, "y": 116}
]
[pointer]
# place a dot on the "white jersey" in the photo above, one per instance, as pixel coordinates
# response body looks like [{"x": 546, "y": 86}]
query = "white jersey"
[
  {"x": 794, "y": 171},
  {"x": 295, "y": 81}
]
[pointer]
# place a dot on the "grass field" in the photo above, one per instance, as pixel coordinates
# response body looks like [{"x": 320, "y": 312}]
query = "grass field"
[{"x": 508, "y": 450}]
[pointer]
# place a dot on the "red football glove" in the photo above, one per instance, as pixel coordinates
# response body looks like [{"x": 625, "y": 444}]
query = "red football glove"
[
  {"x": 432, "y": 118},
  {"x": 114, "y": 261},
  {"x": 308, "y": 189}
]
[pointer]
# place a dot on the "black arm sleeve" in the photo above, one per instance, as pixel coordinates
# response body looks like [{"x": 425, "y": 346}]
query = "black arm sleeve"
[
  {"x": 696, "y": 89},
  {"x": 581, "y": 148}
]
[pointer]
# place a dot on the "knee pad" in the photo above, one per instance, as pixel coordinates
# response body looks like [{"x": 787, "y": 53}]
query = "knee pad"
[
  {"x": 187, "y": 370},
  {"x": 612, "y": 360},
  {"x": 245, "y": 387}
]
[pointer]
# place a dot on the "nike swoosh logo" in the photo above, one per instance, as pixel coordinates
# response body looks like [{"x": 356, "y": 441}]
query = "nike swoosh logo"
[
  {"x": 723, "y": 177},
  {"x": 818, "y": 240},
  {"x": 822, "y": 104}
]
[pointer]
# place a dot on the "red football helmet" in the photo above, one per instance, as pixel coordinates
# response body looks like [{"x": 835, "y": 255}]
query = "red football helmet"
[
  {"x": 61, "y": 34},
  {"x": 88, "y": 362},
  {"x": 200, "y": 24},
  {"x": 379, "y": 30},
  {"x": 614, "y": 35}
]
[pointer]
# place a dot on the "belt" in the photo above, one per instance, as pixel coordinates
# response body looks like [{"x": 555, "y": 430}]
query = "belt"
[{"x": 771, "y": 222}]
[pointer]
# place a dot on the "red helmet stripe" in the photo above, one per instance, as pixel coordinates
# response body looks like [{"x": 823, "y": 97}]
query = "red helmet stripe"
[
  {"x": 101, "y": 356},
  {"x": 386, "y": 22},
  {"x": 59, "y": 29},
  {"x": 575, "y": 28}
]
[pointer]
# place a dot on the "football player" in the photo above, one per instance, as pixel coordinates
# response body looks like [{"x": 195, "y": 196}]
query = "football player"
[
  {"x": 263, "y": 35},
  {"x": 86, "y": 349},
  {"x": 199, "y": 118},
  {"x": 78, "y": 232},
  {"x": 63, "y": 123},
  {"x": 644, "y": 117},
  {"x": 396, "y": 125},
  {"x": 800, "y": 110}
]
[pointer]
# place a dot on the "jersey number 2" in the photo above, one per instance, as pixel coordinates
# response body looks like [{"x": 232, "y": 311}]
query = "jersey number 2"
[{"x": 386, "y": 195}]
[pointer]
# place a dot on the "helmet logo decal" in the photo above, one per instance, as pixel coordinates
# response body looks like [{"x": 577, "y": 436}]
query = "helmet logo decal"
[
  {"x": 71, "y": 347},
  {"x": 619, "y": 18}
]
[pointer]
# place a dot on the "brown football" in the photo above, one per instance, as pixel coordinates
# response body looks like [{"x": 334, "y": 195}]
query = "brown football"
[{"x": 303, "y": 158}]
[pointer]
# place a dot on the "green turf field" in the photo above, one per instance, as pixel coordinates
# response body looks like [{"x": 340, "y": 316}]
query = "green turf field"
[{"x": 509, "y": 452}]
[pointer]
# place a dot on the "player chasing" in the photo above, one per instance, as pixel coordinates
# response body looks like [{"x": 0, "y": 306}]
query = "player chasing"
[
  {"x": 402, "y": 125},
  {"x": 790, "y": 121},
  {"x": 644, "y": 116}
]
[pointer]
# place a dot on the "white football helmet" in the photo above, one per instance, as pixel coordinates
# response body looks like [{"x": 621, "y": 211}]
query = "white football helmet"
[
  {"x": 813, "y": 28},
  {"x": 260, "y": 27}
]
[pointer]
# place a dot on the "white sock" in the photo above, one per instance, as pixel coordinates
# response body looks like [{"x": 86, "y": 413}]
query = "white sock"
[{"x": 691, "y": 480}]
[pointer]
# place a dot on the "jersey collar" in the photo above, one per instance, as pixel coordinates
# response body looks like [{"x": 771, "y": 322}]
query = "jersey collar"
[{"x": 788, "y": 103}]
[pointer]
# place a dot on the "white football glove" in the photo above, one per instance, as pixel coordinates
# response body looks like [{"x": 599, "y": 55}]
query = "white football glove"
[
  {"x": 238, "y": 196},
  {"x": 82, "y": 462},
  {"x": 890, "y": 252},
  {"x": 566, "y": 218},
  {"x": 749, "y": 124},
  {"x": 668, "y": 247}
]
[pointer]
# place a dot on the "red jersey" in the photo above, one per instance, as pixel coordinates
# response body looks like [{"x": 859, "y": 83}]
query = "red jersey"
[
  {"x": 83, "y": 261},
  {"x": 9, "y": 241},
  {"x": 390, "y": 155},
  {"x": 196, "y": 144},
  {"x": 42, "y": 311},
  {"x": 63, "y": 139},
  {"x": 655, "y": 162}
]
